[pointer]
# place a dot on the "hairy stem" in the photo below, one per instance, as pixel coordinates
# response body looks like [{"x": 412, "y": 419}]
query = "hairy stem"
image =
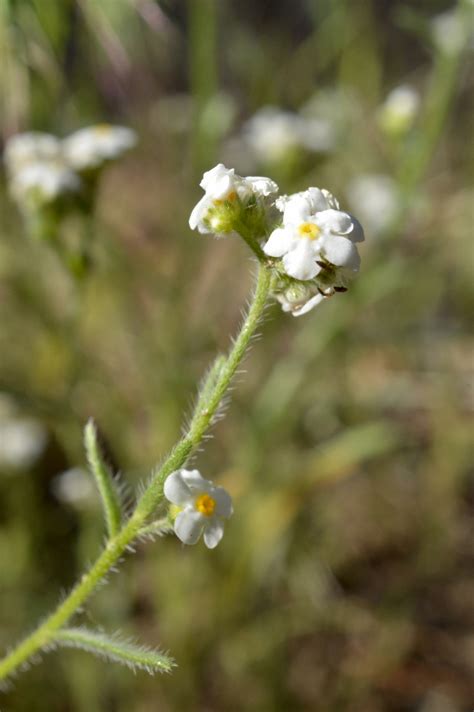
[{"x": 202, "y": 418}]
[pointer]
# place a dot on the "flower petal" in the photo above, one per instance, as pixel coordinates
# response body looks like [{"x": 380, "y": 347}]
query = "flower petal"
[
  {"x": 357, "y": 234},
  {"x": 332, "y": 202},
  {"x": 213, "y": 533},
  {"x": 317, "y": 199},
  {"x": 310, "y": 304},
  {"x": 300, "y": 262},
  {"x": 176, "y": 489},
  {"x": 223, "y": 502},
  {"x": 199, "y": 213},
  {"x": 341, "y": 252},
  {"x": 297, "y": 210},
  {"x": 335, "y": 221},
  {"x": 279, "y": 242},
  {"x": 218, "y": 182},
  {"x": 188, "y": 526},
  {"x": 261, "y": 185},
  {"x": 196, "y": 482}
]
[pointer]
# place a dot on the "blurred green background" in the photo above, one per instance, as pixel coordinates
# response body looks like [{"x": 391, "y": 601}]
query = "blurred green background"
[{"x": 345, "y": 578}]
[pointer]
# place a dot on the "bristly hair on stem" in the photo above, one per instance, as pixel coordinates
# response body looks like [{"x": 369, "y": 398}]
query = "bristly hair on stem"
[
  {"x": 124, "y": 532},
  {"x": 115, "y": 649}
]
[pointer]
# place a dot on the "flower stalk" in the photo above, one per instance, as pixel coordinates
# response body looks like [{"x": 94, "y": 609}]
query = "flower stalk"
[{"x": 117, "y": 545}]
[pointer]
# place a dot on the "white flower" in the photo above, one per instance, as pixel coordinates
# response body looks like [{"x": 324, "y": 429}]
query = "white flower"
[
  {"x": 450, "y": 30},
  {"x": 399, "y": 109},
  {"x": 203, "y": 507},
  {"x": 273, "y": 133},
  {"x": 22, "y": 441},
  {"x": 91, "y": 147},
  {"x": 299, "y": 305},
  {"x": 29, "y": 147},
  {"x": 43, "y": 182},
  {"x": 223, "y": 185},
  {"x": 73, "y": 486},
  {"x": 376, "y": 200},
  {"x": 314, "y": 233}
]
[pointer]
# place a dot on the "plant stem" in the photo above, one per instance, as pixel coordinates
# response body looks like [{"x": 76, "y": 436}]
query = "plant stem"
[{"x": 117, "y": 545}]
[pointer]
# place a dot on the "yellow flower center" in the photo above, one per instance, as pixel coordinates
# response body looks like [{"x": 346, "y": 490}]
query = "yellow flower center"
[
  {"x": 103, "y": 129},
  {"x": 205, "y": 504},
  {"x": 310, "y": 230},
  {"x": 231, "y": 197}
]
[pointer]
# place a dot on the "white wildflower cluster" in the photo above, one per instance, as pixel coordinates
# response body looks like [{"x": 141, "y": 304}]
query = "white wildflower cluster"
[
  {"x": 43, "y": 169},
  {"x": 229, "y": 201},
  {"x": 273, "y": 133},
  {"x": 312, "y": 244},
  {"x": 200, "y": 507}
]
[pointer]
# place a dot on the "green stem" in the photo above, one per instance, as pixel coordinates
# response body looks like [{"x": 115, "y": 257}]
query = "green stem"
[{"x": 201, "y": 420}]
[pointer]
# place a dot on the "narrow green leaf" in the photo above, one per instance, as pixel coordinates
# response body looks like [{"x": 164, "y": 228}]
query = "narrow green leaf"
[
  {"x": 104, "y": 480},
  {"x": 115, "y": 649}
]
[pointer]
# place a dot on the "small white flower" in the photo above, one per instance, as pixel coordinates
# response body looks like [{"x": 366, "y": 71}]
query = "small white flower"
[
  {"x": 450, "y": 30},
  {"x": 43, "y": 182},
  {"x": 203, "y": 507},
  {"x": 298, "y": 305},
  {"x": 221, "y": 185},
  {"x": 399, "y": 110},
  {"x": 73, "y": 486},
  {"x": 314, "y": 233},
  {"x": 375, "y": 198},
  {"x": 91, "y": 147},
  {"x": 30, "y": 147},
  {"x": 273, "y": 133},
  {"x": 22, "y": 441}
]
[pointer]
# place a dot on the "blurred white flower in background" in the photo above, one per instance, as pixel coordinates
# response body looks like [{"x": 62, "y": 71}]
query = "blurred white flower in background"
[
  {"x": 273, "y": 133},
  {"x": 450, "y": 30},
  {"x": 22, "y": 442},
  {"x": 73, "y": 486},
  {"x": 91, "y": 147},
  {"x": 202, "y": 507},
  {"x": 316, "y": 238},
  {"x": 25, "y": 148},
  {"x": 41, "y": 168},
  {"x": 375, "y": 198},
  {"x": 334, "y": 105},
  {"x": 42, "y": 182},
  {"x": 399, "y": 110}
]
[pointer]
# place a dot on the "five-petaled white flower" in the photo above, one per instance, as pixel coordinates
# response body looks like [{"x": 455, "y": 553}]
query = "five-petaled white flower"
[
  {"x": 203, "y": 507},
  {"x": 315, "y": 233},
  {"x": 91, "y": 147},
  {"x": 223, "y": 185}
]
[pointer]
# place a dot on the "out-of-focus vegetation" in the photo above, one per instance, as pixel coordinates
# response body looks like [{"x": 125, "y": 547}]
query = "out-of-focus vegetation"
[{"x": 345, "y": 578}]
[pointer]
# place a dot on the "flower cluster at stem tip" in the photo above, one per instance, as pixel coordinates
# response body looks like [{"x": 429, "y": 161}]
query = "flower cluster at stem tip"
[{"x": 306, "y": 239}]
